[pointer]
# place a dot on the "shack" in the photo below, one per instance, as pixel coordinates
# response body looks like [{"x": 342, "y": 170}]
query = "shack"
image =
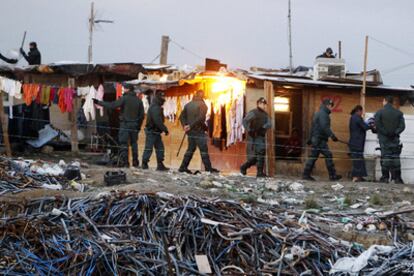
[
  {"x": 295, "y": 98},
  {"x": 36, "y": 88}
]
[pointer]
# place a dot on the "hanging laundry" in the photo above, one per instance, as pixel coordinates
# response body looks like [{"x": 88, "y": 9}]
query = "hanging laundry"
[
  {"x": 119, "y": 90},
  {"x": 45, "y": 95},
  {"x": 83, "y": 91},
  {"x": 69, "y": 99},
  {"x": 100, "y": 95},
  {"x": 89, "y": 107},
  {"x": 145, "y": 103},
  {"x": 30, "y": 92},
  {"x": 53, "y": 90},
  {"x": 61, "y": 103}
]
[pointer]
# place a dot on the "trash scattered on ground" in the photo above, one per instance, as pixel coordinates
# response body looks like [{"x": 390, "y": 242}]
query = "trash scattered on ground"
[
  {"x": 20, "y": 175},
  {"x": 159, "y": 234},
  {"x": 337, "y": 187}
]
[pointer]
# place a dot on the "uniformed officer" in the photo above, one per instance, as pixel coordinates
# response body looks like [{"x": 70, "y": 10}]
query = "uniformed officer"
[
  {"x": 193, "y": 119},
  {"x": 153, "y": 129},
  {"x": 390, "y": 123},
  {"x": 131, "y": 118},
  {"x": 320, "y": 133},
  {"x": 256, "y": 123}
]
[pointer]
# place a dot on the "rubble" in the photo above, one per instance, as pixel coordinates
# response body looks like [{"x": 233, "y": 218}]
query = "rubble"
[
  {"x": 22, "y": 175},
  {"x": 160, "y": 234}
]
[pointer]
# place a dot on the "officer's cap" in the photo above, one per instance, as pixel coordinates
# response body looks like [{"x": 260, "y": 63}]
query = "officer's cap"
[
  {"x": 128, "y": 86},
  {"x": 327, "y": 102},
  {"x": 261, "y": 100}
]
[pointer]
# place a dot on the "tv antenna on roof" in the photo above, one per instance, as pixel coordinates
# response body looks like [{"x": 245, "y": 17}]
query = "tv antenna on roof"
[{"x": 92, "y": 22}]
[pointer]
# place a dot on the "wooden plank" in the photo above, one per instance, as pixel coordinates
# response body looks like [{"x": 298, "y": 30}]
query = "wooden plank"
[
  {"x": 270, "y": 135},
  {"x": 202, "y": 264},
  {"x": 364, "y": 82},
  {"x": 5, "y": 127},
  {"x": 72, "y": 118}
]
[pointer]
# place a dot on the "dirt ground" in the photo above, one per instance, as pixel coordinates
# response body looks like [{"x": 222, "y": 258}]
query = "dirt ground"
[{"x": 321, "y": 197}]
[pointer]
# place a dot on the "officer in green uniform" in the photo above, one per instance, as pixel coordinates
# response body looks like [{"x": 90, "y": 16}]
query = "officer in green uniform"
[
  {"x": 256, "y": 123},
  {"x": 193, "y": 119},
  {"x": 390, "y": 123},
  {"x": 320, "y": 133},
  {"x": 131, "y": 118},
  {"x": 153, "y": 129}
]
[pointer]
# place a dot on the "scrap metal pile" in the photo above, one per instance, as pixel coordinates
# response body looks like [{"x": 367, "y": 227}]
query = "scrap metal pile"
[
  {"x": 15, "y": 178},
  {"x": 159, "y": 234}
]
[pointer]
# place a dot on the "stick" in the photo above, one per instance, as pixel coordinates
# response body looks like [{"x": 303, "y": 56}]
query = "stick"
[
  {"x": 24, "y": 38},
  {"x": 181, "y": 144}
]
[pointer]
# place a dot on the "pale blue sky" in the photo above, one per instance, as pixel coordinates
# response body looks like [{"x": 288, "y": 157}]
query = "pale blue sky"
[{"x": 241, "y": 33}]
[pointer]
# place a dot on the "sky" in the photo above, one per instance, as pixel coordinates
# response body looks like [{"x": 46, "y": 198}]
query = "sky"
[{"x": 241, "y": 33}]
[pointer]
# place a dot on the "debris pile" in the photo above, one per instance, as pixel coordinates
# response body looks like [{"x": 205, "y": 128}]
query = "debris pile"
[
  {"x": 159, "y": 234},
  {"x": 19, "y": 175}
]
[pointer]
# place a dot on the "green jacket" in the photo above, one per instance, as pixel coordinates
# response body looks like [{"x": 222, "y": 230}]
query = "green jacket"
[
  {"x": 321, "y": 125},
  {"x": 155, "y": 117},
  {"x": 257, "y": 122},
  {"x": 389, "y": 123},
  {"x": 194, "y": 114},
  {"x": 132, "y": 109}
]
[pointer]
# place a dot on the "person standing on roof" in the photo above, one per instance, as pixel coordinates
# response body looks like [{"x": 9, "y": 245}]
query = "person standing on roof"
[
  {"x": 131, "y": 118},
  {"x": 33, "y": 57},
  {"x": 256, "y": 123},
  {"x": 327, "y": 54},
  {"x": 153, "y": 129},
  {"x": 193, "y": 119},
  {"x": 320, "y": 133},
  {"x": 390, "y": 123}
]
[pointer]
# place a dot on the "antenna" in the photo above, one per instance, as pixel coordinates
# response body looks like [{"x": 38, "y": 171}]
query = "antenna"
[
  {"x": 290, "y": 39},
  {"x": 92, "y": 22}
]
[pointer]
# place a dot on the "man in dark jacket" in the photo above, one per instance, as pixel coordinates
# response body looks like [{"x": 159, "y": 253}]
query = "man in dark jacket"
[
  {"x": 33, "y": 57},
  {"x": 131, "y": 117},
  {"x": 320, "y": 133},
  {"x": 390, "y": 123},
  {"x": 327, "y": 54},
  {"x": 256, "y": 123},
  {"x": 153, "y": 129},
  {"x": 193, "y": 119}
]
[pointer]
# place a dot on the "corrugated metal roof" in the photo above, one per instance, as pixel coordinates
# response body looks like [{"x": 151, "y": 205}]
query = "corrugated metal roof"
[{"x": 309, "y": 82}]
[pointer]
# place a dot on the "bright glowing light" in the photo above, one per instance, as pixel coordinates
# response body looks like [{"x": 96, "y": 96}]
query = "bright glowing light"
[{"x": 281, "y": 104}]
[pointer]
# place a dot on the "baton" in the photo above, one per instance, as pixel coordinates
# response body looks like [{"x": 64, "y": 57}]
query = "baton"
[
  {"x": 24, "y": 38},
  {"x": 181, "y": 144}
]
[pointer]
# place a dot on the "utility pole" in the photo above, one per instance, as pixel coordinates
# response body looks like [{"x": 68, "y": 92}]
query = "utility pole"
[
  {"x": 339, "y": 49},
  {"x": 364, "y": 82},
  {"x": 92, "y": 22},
  {"x": 290, "y": 39},
  {"x": 165, "y": 39}
]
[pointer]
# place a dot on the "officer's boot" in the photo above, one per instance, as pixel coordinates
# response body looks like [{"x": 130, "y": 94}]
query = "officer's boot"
[
  {"x": 307, "y": 171},
  {"x": 398, "y": 179},
  {"x": 144, "y": 165},
  {"x": 161, "y": 167},
  {"x": 260, "y": 172},
  {"x": 135, "y": 163},
  {"x": 244, "y": 167},
  {"x": 385, "y": 176},
  {"x": 333, "y": 176}
]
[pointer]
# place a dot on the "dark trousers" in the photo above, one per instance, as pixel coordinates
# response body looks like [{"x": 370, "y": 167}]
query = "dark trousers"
[
  {"x": 256, "y": 152},
  {"x": 128, "y": 132},
  {"x": 320, "y": 147},
  {"x": 153, "y": 140},
  {"x": 390, "y": 161},
  {"x": 358, "y": 163},
  {"x": 196, "y": 139}
]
